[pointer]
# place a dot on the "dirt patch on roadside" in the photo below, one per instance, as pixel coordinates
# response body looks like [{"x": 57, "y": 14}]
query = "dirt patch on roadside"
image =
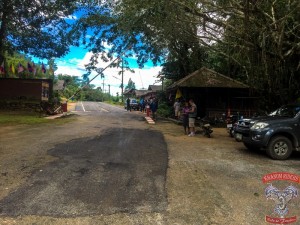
[
  {"x": 217, "y": 180},
  {"x": 193, "y": 199}
]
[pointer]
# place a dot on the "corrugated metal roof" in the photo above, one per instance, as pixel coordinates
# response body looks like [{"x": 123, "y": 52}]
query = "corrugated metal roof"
[
  {"x": 140, "y": 93},
  {"x": 155, "y": 87},
  {"x": 207, "y": 78}
]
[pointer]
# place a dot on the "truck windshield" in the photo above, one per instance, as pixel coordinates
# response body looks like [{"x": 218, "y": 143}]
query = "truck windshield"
[{"x": 287, "y": 111}]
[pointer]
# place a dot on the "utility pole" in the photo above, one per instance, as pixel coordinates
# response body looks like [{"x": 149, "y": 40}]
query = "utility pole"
[
  {"x": 109, "y": 91},
  {"x": 122, "y": 81},
  {"x": 162, "y": 82},
  {"x": 103, "y": 91}
]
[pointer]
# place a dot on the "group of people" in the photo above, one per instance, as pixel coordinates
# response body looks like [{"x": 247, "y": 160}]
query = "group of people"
[
  {"x": 151, "y": 104},
  {"x": 188, "y": 113},
  {"x": 144, "y": 104}
]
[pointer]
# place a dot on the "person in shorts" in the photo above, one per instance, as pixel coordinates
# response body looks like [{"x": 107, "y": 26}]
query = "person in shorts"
[{"x": 192, "y": 117}]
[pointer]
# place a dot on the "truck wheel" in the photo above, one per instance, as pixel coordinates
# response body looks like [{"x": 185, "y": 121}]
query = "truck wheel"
[{"x": 279, "y": 147}]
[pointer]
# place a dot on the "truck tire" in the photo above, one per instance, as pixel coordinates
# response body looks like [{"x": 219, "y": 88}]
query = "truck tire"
[{"x": 279, "y": 147}]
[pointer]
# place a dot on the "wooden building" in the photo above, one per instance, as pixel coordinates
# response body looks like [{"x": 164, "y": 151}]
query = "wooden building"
[
  {"x": 129, "y": 93},
  {"x": 146, "y": 94},
  {"x": 17, "y": 89},
  {"x": 216, "y": 95}
]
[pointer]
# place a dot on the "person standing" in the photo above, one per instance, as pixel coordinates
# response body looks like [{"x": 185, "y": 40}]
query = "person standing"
[
  {"x": 185, "y": 118},
  {"x": 147, "y": 107},
  {"x": 177, "y": 108},
  {"x": 192, "y": 117},
  {"x": 128, "y": 104},
  {"x": 142, "y": 105},
  {"x": 153, "y": 108}
]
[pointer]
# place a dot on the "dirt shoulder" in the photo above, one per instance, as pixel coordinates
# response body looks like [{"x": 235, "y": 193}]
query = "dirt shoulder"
[{"x": 217, "y": 180}]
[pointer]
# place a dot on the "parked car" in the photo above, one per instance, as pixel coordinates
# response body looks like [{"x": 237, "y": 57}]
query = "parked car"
[
  {"x": 134, "y": 105},
  {"x": 278, "y": 133}
]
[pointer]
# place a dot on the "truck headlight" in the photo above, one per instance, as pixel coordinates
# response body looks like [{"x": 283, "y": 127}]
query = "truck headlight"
[{"x": 259, "y": 125}]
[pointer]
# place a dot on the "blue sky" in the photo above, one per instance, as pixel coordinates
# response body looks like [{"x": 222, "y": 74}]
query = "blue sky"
[{"x": 73, "y": 64}]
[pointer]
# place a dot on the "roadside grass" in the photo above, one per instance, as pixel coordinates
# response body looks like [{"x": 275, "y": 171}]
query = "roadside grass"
[{"x": 10, "y": 118}]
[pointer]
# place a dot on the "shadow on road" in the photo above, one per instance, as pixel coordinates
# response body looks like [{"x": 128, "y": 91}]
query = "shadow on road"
[{"x": 123, "y": 170}]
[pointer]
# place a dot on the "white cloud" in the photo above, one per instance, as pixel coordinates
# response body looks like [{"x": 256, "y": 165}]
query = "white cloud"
[
  {"x": 74, "y": 60},
  {"x": 68, "y": 70},
  {"x": 142, "y": 77}
]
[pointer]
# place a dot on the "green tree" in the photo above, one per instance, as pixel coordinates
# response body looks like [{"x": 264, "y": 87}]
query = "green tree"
[
  {"x": 35, "y": 27},
  {"x": 13, "y": 60},
  {"x": 72, "y": 85},
  {"x": 152, "y": 30},
  {"x": 256, "y": 42},
  {"x": 130, "y": 85},
  {"x": 262, "y": 48},
  {"x": 90, "y": 94}
]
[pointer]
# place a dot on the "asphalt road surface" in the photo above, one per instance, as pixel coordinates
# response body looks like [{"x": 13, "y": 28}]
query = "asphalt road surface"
[{"x": 122, "y": 169}]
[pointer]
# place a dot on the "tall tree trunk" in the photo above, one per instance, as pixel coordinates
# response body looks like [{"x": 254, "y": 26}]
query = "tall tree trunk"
[{"x": 3, "y": 29}]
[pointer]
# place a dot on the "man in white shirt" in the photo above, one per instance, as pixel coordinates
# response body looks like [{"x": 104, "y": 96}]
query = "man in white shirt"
[
  {"x": 177, "y": 108},
  {"x": 192, "y": 117}
]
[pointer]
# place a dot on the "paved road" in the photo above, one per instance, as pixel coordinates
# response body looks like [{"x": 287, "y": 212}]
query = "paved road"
[
  {"x": 122, "y": 169},
  {"x": 97, "y": 107}
]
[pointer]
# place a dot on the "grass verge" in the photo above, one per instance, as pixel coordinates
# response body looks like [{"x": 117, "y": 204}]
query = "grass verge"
[{"x": 9, "y": 118}]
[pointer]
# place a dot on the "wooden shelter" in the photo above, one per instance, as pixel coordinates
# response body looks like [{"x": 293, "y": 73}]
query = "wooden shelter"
[
  {"x": 155, "y": 88},
  {"x": 129, "y": 93},
  {"x": 37, "y": 90},
  {"x": 146, "y": 94},
  {"x": 152, "y": 91},
  {"x": 140, "y": 93},
  {"x": 216, "y": 95}
]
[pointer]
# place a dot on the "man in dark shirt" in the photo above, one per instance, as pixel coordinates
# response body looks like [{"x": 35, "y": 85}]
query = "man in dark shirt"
[
  {"x": 128, "y": 104},
  {"x": 153, "y": 108}
]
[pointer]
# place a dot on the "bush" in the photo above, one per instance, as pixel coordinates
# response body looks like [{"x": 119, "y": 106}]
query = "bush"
[{"x": 164, "y": 109}]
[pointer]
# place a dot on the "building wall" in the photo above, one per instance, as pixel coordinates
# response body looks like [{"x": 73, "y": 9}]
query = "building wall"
[{"x": 25, "y": 89}]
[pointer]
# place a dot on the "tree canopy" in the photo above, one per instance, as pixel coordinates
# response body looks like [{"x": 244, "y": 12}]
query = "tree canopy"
[
  {"x": 256, "y": 42},
  {"x": 35, "y": 27},
  {"x": 130, "y": 85},
  {"x": 88, "y": 93}
]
